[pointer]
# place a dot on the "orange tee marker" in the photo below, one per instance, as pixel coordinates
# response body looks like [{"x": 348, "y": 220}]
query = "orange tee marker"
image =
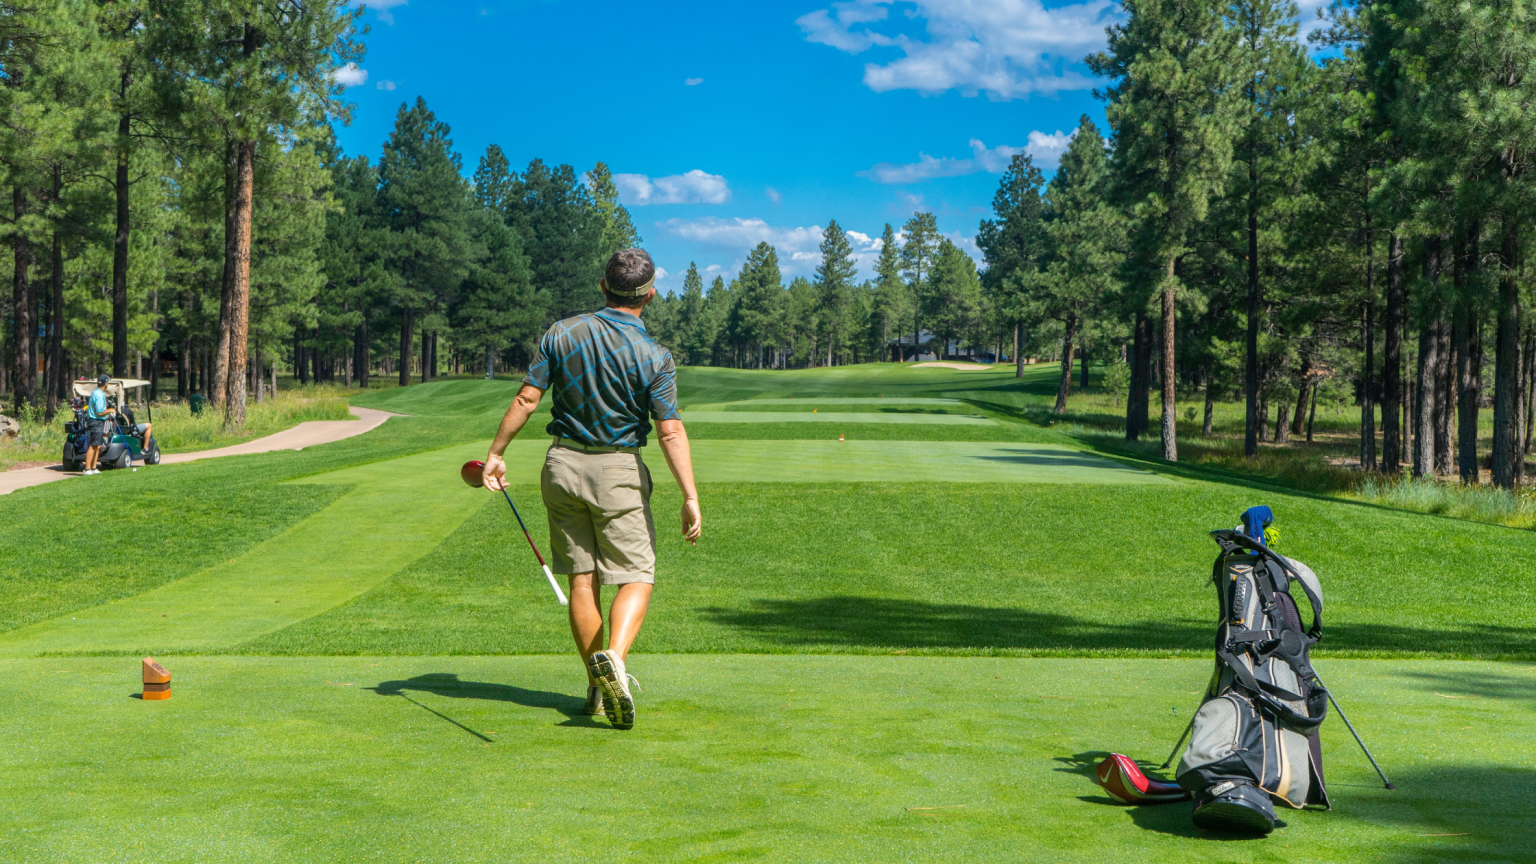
[{"x": 157, "y": 680}]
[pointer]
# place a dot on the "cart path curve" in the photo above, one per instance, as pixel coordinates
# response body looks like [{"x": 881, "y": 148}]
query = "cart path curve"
[{"x": 306, "y": 434}]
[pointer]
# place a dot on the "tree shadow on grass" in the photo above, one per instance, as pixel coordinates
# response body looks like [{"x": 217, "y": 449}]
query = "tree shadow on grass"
[
  {"x": 448, "y": 684},
  {"x": 882, "y": 623},
  {"x": 1059, "y": 458},
  {"x": 1478, "y": 685}
]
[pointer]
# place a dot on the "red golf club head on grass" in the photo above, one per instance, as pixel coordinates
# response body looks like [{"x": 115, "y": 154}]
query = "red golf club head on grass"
[{"x": 473, "y": 473}]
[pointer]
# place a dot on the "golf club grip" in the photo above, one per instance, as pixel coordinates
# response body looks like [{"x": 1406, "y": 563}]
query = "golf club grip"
[{"x": 559, "y": 595}]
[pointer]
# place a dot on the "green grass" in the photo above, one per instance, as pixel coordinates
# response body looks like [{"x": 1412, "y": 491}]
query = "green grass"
[
  {"x": 792, "y": 759},
  {"x": 356, "y": 639}
]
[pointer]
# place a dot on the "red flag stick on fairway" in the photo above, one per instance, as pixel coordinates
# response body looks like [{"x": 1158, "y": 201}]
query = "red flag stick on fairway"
[{"x": 473, "y": 473}]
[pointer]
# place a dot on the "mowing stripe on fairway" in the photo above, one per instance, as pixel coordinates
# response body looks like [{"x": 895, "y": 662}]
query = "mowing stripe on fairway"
[
  {"x": 904, "y": 461},
  {"x": 832, "y": 417},
  {"x": 834, "y": 400},
  {"x": 396, "y": 512},
  {"x": 399, "y": 510}
]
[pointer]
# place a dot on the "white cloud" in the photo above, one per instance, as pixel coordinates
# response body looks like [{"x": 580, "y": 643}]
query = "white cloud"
[
  {"x": 1045, "y": 148},
  {"x": 773, "y": 194},
  {"x": 1312, "y": 18},
  {"x": 799, "y": 248},
  {"x": 692, "y": 82},
  {"x": 1004, "y": 48},
  {"x": 382, "y": 7},
  {"x": 385, "y": 85},
  {"x": 694, "y": 187},
  {"x": 350, "y": 76}
]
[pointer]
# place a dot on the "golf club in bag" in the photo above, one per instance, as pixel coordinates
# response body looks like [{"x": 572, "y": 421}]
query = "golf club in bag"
[{"x": 473, "y": 473}]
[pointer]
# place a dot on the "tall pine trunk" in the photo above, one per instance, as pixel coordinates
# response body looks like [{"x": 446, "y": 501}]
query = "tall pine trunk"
[
  {"x": 23, "y": 309},
  {"x": 1064, "y": 386},
  {"x": 1136, "y": 407},
  {"x": 1424, "y": 402},
  {"x": 1251, "y": 362},
  {"x": 1368, "y": 391},
  {"x": 220, "y": 372},
  {"x": 240, "y": 288},
  {"x": 1170, "y": 379},
  {"x": 1463, "y": 324},
  {"x": 1392, "y": 360},
  {"x": 364, "y": 350},
  {"x": 1018, "y": 348},
  {"x": 407, "y": 330},
  {"x": 1083, "y": 365},
  {"x": 1507, "y": 461},
  {"x": 120, "y": 187},
  {"x": 1210, "y": 402},
  {"x": 56, "y": 381}
]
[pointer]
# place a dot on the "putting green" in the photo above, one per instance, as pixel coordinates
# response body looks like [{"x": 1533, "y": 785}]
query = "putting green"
[
  {"x": 455, "y": 759},
  {"x": 844, "y": 417}
]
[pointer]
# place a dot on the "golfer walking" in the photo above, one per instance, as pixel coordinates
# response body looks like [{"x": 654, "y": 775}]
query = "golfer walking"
[{"x": 607, "y": 378}]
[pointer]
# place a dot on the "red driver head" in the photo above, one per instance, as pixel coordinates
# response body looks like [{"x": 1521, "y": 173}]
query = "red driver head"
[{"x": 473, "y": 473}]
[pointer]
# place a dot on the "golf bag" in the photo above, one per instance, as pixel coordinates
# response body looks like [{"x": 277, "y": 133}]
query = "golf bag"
[{"x": 1255, "y": 736}]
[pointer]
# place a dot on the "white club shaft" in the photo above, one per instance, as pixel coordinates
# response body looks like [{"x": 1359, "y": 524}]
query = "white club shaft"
[{"x": 555, "y": 585}]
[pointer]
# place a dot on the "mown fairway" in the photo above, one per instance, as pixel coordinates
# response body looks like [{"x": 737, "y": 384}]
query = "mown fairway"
[{"x": 369, "y": 667}]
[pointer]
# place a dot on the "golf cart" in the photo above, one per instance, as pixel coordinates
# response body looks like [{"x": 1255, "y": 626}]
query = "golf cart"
[{"x": 122, "y": 436}]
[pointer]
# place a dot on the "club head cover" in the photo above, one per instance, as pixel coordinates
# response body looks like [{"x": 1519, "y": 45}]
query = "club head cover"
[{"x": 1127, "y": 784}]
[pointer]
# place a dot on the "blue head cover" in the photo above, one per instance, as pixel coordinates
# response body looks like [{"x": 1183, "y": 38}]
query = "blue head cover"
[{"x": 1255, "y": 520}]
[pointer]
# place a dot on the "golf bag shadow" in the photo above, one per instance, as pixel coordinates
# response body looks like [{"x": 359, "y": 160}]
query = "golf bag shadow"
[{"x": 1255, "y": 736}]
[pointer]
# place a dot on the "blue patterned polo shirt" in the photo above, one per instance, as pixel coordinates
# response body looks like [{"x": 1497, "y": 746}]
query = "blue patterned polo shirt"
[{"x": 607, "y": 377}]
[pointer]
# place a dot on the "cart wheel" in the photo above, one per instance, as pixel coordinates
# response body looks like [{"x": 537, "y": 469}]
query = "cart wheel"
[
  {"x": 124, "y": 461},
  {"x": 153, "y": 456},
  {"x": 72, "y": 465}
]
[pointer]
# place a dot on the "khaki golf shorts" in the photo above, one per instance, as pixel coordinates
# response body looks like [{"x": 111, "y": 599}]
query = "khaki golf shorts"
[{"x": 599, "y": 506}]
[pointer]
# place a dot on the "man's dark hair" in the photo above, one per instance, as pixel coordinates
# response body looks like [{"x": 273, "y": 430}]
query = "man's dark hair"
[{"x": 627, "y": 270}]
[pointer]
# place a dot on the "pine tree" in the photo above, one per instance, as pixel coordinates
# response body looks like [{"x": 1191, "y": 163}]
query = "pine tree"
[
  {"x": 890, "y": 294},
  {"x": 692, "y": 329},
  {"x": 917, "y": 253},
  {"x": 834, "y": 282},
  {"x": 757, "y": 299},
  {"x": 426, "y": 204},
  {"x": 1086, "y": 236},
  {"x": 494, "y": 181},
  {"x": 954, "y": 297},
  {"x": 1014, "y": 246},
  {"x": 1172, "y": 108},
  {"x": 562, "y": 232},
  {"x": 618, "y": 231},
  {"x": 496, "y": 306}
]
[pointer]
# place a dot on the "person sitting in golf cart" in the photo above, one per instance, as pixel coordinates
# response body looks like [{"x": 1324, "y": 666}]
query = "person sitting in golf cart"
[{"x": 96, "y": 414}]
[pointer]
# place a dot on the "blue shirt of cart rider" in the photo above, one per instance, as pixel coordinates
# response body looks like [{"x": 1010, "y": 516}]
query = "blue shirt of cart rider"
[
  {"x": 98, "y": 405},
  {"x": 607, "y": 377}
]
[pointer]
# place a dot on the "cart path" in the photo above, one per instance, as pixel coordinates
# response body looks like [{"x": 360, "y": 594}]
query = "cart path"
[
  {"x": 303, "y": 435},
  {"x": 396, "y": 512}
]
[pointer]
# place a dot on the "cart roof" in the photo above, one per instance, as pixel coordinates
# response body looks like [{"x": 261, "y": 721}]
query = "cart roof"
[{"x": 115, "y": 387}]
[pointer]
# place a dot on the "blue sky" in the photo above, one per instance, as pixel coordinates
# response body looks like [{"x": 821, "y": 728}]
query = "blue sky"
[{"x": 732, "y": 123}]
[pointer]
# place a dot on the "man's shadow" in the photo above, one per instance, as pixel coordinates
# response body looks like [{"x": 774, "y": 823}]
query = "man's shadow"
[{"x": 448, "y": 684}]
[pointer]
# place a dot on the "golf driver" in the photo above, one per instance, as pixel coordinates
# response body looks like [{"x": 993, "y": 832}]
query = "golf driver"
[{"x": 473, "y": 473}]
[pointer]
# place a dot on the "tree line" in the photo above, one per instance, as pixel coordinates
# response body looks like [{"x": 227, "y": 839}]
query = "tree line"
[
  {"x": 1255, "y": 221},
  {"x": 1266, "y": 222}
]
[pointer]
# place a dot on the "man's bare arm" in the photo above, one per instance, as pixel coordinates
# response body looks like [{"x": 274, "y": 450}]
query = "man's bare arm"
[
  {"x": 674, "y": 445},
  {"x": 523, "y": 405}
]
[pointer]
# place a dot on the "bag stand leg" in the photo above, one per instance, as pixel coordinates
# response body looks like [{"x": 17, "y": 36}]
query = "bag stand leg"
[
  {"x": 1365, "y": 749},
  {"x": 1177, "y": 744}
]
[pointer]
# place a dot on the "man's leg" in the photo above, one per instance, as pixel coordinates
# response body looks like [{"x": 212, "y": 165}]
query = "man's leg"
[
  {"x": 586, "y": 614},
  {"x": 90, "y": 458},
  {"x": 626, "y": 615}
]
